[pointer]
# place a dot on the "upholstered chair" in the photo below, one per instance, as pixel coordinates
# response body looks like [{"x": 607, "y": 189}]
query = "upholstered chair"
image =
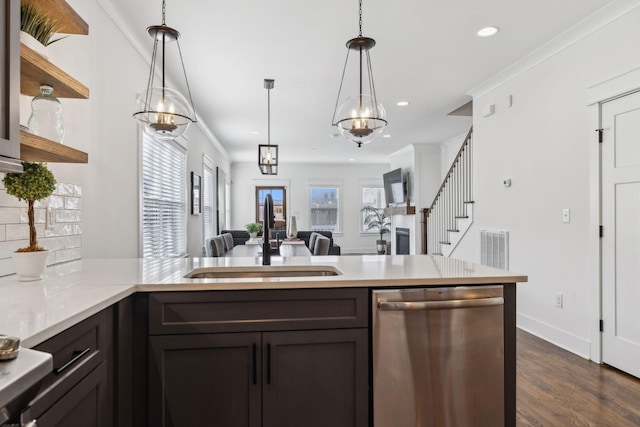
[
  {"x": 217, "y": 246},
  {"x": 207, "y": 247},
  {"x": 312, "y": 241},
  {"x": 321, "y": 246},
  {"x": 228, "y": 241}
]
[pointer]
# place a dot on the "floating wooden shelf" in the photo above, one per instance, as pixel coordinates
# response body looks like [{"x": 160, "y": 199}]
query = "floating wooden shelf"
[
  {"x": 69, "y": 22},
  {"x": 34, "y": 148},
  {"x": 35, "y": 71},
  {"x": 400, "y": 210}
]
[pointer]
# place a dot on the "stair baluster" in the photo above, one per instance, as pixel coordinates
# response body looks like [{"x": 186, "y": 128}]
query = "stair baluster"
[{"x": 451, "y": 203}]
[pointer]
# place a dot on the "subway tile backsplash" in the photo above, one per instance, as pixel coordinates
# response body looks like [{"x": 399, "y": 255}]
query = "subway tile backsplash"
[{"x": 59, "y": 231}]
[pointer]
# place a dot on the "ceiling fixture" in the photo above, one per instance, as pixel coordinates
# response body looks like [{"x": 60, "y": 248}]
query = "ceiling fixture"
[
  {"x": 360, "y": 118},
  {"x": 164, "y": 112},
  {"x": 488, "y": 31},
  {"x": 402, "y": 103},
  {"x": 268, "y": 154}
]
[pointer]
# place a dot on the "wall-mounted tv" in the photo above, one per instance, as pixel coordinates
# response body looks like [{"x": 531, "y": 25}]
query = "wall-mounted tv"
[{"x": 395, "y": 187}]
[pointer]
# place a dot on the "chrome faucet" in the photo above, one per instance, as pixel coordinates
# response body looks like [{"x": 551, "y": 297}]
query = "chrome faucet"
[{"x": 268, "y": 223}]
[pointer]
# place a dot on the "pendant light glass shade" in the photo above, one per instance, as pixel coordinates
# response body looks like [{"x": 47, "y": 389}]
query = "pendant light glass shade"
[
  {"x": 360, "y": 118},
  {"x": 164, "y": 112},
  {"x": 268, "y": 154},
  {"x": 363, "y": 119}
]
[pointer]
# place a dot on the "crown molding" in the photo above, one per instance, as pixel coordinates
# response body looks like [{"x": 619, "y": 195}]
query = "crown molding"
[{"x": 587, "y": 26}]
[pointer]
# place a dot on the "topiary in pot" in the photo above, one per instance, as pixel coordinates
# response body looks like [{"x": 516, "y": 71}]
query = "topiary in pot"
[{"x": 35, "y": 183}]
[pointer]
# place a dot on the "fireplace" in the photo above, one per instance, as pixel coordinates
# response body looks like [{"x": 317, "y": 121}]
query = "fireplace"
[{"x": 403, "y": 244}]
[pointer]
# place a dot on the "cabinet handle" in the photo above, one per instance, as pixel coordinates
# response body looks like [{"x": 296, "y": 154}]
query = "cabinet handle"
[
  {"x": 438, "y": 305},
  {"x": 255, "y": 373},
  {"x": 77, "y": 355},
  {"x": 268, "y": 363}
]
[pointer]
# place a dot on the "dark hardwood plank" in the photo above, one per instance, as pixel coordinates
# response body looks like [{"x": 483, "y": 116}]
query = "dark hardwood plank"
[{"x": 558, "y": 388}]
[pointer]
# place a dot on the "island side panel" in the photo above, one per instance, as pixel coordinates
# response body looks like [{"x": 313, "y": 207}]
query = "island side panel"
[{"x": 509, "y": 321}]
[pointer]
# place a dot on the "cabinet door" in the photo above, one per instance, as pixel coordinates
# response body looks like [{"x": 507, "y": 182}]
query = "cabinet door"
[
  {"x": 315, "y": 378},
  {"x": 203, "y": 380},
  {"x": 85, "y": 405},
  {"x": 9, "y": 78}
]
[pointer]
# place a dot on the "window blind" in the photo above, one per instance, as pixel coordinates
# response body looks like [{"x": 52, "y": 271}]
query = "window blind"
[{"x": 164, "y": 189}]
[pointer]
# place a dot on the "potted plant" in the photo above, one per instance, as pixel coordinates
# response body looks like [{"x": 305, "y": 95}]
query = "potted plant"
[
  {"x": 375, "y": 219},
  {"x": 253, "y": 228},
  {"x": 36, "y": 28},
  {"x": 35, "y": 183}
]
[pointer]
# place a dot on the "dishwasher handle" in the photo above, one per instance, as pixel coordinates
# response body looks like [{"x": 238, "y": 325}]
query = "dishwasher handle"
[{"x": 438, "y": 305}]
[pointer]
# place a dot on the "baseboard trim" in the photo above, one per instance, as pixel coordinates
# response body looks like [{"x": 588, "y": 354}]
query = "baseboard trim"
[{"x": 558, "y": 337}]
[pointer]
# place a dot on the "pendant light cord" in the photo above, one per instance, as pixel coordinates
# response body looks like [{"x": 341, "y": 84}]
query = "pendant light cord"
[
  {"x": 164, "y": 11},
  {"x": 360, "y": 17},
  {"x": 269, "y": 117}
]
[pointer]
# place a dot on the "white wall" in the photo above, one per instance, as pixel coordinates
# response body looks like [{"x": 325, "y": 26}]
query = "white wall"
[
  {"x": 115, "y": 72},
  {"x": 449, "y": 150},
  {"x": 351, "y": 177},
  {"x": 422, "y": 162},
  {"x": 542, "y": 143}
]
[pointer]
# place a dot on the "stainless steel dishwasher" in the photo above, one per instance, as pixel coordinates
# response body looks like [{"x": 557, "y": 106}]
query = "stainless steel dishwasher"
[{"x": 438, "y": 357}]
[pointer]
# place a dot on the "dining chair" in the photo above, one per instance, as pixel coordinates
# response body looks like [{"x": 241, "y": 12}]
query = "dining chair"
[
  {"x": 228, "y": 241},
  {"x": 321, "y": 246},
  {"x": 217, "y": 246}
]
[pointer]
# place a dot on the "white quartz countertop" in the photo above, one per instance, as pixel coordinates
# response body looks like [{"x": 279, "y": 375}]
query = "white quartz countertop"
[{"x": 70, "y": 293}]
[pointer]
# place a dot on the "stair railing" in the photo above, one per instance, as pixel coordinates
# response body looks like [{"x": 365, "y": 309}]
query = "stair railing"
[{"x": 449, "y": 204}]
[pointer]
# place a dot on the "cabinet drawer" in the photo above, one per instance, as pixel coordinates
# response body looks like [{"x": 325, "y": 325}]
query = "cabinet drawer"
[
  {"x": 76, "y": 352},
  {"x": 269, "y": 310},
  {"x": 84, "y": 405}
]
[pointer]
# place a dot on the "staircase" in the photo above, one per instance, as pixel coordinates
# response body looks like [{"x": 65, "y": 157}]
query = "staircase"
[{"x": 451, "y": 213}]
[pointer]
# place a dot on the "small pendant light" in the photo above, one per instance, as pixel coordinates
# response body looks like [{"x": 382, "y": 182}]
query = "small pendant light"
[
  {"x": 164, "y": 112},
  {"x": 360, "y": 118},
  {"x": 268, "y": 154}
]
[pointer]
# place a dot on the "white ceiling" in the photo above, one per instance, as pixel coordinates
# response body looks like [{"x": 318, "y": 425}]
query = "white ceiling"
[{"x": 427, "y": 53}]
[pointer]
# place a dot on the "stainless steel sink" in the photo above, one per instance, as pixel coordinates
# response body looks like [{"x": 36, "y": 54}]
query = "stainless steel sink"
[{"x": 262, "y": 271}]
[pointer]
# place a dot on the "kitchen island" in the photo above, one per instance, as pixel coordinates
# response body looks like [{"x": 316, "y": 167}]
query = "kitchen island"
[{"x": 143, "y": 291}]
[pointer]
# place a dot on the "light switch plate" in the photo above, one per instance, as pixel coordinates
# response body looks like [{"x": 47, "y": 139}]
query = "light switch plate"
[
  {"x": 566, "y": 216},
  {"x": 50, "y": 221}
]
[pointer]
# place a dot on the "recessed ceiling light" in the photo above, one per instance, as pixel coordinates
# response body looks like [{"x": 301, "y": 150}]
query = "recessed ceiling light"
[
  {"x": 402, "y": 103},
  {"x": 488, "y": 31},
  {"x": 255, "y": 132},
  {"x": 386, "y": 135},
  {"x": 352, "y": 160}
]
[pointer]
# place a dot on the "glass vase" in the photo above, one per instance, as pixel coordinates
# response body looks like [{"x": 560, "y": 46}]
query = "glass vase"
[{"x": 46, "y": 115}]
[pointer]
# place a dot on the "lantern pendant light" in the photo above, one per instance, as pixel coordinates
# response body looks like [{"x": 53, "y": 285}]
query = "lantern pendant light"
[
  {"x": 164, "y": 112},
  {"x": 268, "y": 154},
  {"x": 360, "y": 118}
]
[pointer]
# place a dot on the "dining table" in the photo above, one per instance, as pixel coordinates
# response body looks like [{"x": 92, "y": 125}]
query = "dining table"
[{"x": 287, "y": 249}]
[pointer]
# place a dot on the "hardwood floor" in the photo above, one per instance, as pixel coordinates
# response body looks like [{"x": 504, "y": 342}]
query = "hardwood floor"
[{"x": 557, "y": 388}]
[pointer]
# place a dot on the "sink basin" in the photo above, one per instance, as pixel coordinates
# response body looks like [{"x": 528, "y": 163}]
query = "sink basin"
[{"x": 262, "y": 271}]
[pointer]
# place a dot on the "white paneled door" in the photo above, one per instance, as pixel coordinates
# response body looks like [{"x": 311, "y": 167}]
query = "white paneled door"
[{"x": 621, "y": 239}]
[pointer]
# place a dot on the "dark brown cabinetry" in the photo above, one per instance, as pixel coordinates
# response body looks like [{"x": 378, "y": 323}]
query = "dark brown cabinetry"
[
  {"x": 259, "y": 358},
  {"x": 9, "y": 82},
  {"x": 77, "y": 392}
]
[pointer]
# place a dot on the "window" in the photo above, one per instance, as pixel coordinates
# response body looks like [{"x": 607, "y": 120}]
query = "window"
[
  {"x": 223, "y": 200},
  {"x": 324, "y": 208},
  {"x": 207, "y": 201},
  {"x": 278, "y": 194},
  {"x": 372, "y": 195},
  {"x": 164, "y": 198}
]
